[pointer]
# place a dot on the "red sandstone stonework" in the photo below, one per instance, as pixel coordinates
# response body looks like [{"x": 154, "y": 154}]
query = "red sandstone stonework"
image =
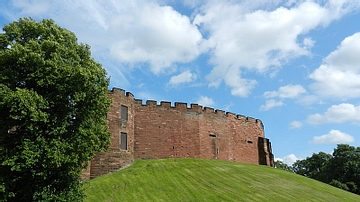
[{"x": 165, "y": 131}]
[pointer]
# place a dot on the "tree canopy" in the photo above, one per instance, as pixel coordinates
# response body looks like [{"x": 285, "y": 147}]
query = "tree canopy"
[
  {"x": 53, "y": 107},
  {"x": 341, "y": 169}
]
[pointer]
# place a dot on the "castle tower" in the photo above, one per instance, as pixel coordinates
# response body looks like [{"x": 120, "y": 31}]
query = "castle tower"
[{"x": 121, "y": 125}]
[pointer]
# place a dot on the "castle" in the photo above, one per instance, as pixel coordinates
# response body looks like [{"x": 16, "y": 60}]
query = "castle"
[{"x": 152, "y": 131}]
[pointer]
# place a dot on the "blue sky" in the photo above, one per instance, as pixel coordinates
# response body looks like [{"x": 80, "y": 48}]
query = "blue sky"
[{"x": 292, "y": 64}]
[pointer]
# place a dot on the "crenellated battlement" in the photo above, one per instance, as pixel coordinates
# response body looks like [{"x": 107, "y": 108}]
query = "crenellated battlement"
[
  {"x": 180, "y": 106},
  {"x": 121, "y": 92}
]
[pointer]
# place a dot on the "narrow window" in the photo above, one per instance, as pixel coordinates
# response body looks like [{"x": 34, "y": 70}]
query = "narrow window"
[
  {"x": 124, "y": 112},
  {"x": 212, "y": 135},
  {"x": 123, "y": 141}
]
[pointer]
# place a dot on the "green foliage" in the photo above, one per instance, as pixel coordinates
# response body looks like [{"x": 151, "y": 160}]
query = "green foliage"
[
  {"x": 283, "y": 166},
  {"x": 315, "y": 167},
  {"x": 208, "y": 180},
  {"x": 341, "y": 169},
  {"x": 53, "y": 107},
  {"x": 338, "y": 184}
]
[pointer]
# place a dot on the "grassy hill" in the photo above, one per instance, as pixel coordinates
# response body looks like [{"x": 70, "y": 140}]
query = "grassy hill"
[{"x": 208, "y": 180}]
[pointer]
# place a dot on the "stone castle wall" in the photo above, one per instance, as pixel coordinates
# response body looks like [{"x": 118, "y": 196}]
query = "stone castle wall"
[
  {"x": 116, "y": 158},
  {"x": 163, "y": 131}
]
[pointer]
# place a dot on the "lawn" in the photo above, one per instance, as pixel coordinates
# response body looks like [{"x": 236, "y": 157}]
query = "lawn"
[{"x": 208, "y": 180}]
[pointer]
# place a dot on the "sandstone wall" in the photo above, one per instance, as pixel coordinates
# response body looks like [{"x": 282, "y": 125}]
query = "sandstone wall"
[
  {"x": 165, "y": 131},
  {"x": 230, "y": 137},
  {"x": 162, "y": 131},
  {"x": 116, "y": 158}
]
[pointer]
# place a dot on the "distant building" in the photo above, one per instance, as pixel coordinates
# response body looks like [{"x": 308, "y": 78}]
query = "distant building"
[{"x": 152, "y": 131}]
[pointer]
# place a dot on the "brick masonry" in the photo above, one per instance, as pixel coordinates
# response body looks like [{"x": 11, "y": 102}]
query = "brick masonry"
[{"x": 165, "y": 131}]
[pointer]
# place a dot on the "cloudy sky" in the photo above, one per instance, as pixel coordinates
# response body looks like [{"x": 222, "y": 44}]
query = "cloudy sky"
[{"x": 292, "y": 64}]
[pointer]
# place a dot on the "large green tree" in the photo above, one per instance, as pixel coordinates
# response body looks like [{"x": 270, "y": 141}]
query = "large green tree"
[
  {"x": 53, "y": 107},
  {"x": 315, "y": 167},
  {"x": 341, "y": 169},
  {"x": 345, "y": 167}
]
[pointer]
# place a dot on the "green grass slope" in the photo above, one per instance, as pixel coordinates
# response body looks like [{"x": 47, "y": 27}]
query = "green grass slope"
[{"x": 208, "y": 180}]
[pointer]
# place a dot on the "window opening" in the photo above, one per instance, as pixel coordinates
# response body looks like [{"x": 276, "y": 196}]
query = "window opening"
[
  {"x": 123, "y": 141},
  {"x": 124, "y": 112},
  {"x": 212, "y": 135}
]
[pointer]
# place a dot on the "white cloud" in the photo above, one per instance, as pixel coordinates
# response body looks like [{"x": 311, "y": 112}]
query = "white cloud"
[
  {"x": 239, "y": 36},
  {"x": 341, "y": 113},
  {"x": 240, "y": 86},
  {"x": 271, "y": 104},
  {"x": 333, "y": 137},
  {"x": 284, "y": 92},
  {"x": 250, "y": 35},
  {"x": 247, "y": 37},
  {"x": 184, "y": 77},
  {"x": 205, "y": 101},
  {"x": 295, "y": 124},
  {"x": 155, "y": 34},
  {"x": 289, "y": 159},
  {"x": 339, "y": 75},
  {"x": 289, "y": 91},
  {"x": 131, "y": 32}
]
